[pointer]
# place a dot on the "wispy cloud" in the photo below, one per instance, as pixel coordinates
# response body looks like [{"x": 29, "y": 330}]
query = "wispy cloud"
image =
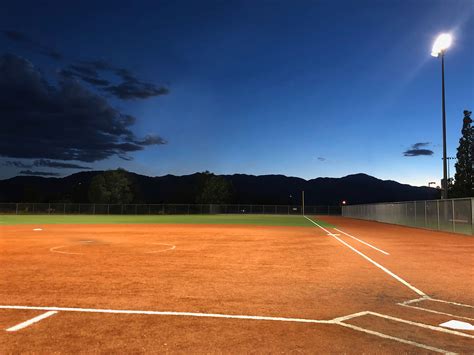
[
  {"x": 129, "y": 87},
  {"x": 38, "y": 173}
]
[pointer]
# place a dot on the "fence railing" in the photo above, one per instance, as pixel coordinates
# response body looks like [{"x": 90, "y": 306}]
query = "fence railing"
[
  {"x": 157, "y": 209},
  {"x": 452, "y": 215}
]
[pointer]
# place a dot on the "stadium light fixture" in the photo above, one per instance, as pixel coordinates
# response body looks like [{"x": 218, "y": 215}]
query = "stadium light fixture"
[{"x": 442, "y": 43}]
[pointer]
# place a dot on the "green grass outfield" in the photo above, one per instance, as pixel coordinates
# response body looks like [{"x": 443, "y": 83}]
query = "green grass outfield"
[{"x": 260, "y": 220}]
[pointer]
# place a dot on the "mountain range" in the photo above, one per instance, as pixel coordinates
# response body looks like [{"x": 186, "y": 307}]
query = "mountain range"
[{"x": 249, "y": 189}]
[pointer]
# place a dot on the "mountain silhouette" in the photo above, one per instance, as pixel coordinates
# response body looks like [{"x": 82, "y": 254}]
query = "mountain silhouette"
[{"x": 249, "y": 189}]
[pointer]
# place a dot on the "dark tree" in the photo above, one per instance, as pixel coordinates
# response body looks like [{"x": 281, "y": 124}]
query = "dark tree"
[
  {"x": 464, "y": 177},
  {"x": 112, "y": 186},
  {"x": 215, "y": 189}
]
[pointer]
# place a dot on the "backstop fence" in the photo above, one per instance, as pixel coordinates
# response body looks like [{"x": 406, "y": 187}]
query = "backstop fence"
[
  {"x": 157, "y": 209},
  {"x": 451, "y": 215}
]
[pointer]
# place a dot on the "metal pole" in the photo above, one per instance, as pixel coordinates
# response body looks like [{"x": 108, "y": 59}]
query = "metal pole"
[
  {"x": 445, "y": 165},
  {"x": 17, "y": 208}
]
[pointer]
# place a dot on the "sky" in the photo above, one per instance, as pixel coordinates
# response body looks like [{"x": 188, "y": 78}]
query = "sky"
[{"x": 299, "y": 88}]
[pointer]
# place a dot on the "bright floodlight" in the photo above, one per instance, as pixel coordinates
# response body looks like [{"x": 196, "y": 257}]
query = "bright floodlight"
[{"x": 441, "y": 44}]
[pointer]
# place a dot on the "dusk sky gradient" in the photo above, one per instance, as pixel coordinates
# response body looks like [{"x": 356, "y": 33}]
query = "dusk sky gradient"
[{"x": 300, "y": 88}]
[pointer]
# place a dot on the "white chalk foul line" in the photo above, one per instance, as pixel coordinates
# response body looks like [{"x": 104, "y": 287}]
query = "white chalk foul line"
[
  {"x": 433, "y": 311},
  {"x": 454, "y": 303},
  {"x": 361, "y": 241},
  {"x": 383, "y": 268},
  {"x": 168, "y": 313},
  {"x": 31, "y": 321},
  {"x": 421, "y": 325}
]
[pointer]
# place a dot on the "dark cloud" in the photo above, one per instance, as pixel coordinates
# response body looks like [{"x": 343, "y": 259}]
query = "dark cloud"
[
  {"x": 33, "y": 45},
  {"x": 130, "y": 88},
  {"x": 321, "y": 159},
  {"x": 38, "y": 173},
  {"x": 417, "y": 150},
  {"x": 44, "y": 163},
  {"x": 70, "y": 74},
  {"x": 58, "y": 165},
  {"x": 63, "y": 122},
  {"x": 135, "y": 90}
]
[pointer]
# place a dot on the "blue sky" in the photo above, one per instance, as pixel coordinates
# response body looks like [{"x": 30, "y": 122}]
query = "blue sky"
[{"x": 306, "y": 88}]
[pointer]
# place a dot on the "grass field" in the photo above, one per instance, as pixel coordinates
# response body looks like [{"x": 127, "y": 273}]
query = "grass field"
[
  {"x": 238, "y": 219},
  {"x": 231, "y": 284}
]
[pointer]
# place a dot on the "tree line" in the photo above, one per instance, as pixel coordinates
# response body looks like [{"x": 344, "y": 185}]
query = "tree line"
[
  {"x": 118, "y": 187},
  {"x": 463, "y": 183}
]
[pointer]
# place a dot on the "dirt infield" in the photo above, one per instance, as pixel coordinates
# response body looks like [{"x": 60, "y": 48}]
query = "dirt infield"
[{"x": 234, "y": 289}]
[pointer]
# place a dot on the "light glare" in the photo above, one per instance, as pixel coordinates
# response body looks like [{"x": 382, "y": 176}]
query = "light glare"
[{"x": 442, "y": 43}]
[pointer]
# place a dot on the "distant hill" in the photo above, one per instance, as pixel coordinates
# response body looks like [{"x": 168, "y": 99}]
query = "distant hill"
[{"x": 250, "y": 189}]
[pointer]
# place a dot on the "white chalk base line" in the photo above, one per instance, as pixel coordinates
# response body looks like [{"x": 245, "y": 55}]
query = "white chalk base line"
[{"x": 31, "y": 321}]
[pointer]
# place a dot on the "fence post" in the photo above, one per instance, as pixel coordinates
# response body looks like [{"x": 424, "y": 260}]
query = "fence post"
[
  {"x": 16, "y": 209},
  {"x": 414, "y": 207},
  {"x": 108, "y": 208},
  {"x": 426, "y": 217},
  {"x": 472, "y": 216},
  {"x": 93, "y": 208},
  {"x": 437, "y": 208},
  {"x": 454, "y": 223},
  {"x": 288, "y": 207},
  {"x": 64, "y": 209},
  {"x": 188, "y": 208},
  {"x": 121, "y": 209}
]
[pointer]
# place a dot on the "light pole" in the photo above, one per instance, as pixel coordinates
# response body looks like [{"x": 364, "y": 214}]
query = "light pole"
[{"x": 440, "y": 46}]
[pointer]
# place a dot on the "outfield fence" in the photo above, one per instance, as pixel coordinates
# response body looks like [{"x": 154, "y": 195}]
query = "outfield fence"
[
  {"x": 161, "y": 209},
  {"x": 451, "y": 215}
]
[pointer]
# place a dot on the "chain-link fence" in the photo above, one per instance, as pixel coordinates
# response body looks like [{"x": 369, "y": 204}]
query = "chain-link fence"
[
  {"x": 453, "y": 215},
  {"x": 157, "y": 209}
]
